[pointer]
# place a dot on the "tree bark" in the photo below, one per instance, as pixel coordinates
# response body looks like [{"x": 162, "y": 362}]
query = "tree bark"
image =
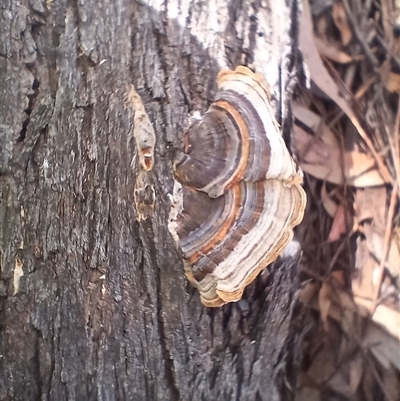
[{"x": 94, "y": 304}]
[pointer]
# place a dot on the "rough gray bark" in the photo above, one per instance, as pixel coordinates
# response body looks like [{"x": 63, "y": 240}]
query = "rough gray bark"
[{"x": 93, "y": 304}]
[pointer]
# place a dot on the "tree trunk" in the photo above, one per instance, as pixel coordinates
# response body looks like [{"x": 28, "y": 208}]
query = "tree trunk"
[{"x": 94, "y": 303}]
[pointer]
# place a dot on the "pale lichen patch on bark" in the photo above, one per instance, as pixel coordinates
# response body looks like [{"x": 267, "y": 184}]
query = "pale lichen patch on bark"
[
  {"x": 18, "y": 273},
  {"x": 145, "y": 140},
  {"x": 208, "y": 27},
  {"x": 143, "y": 132},
  {"x": 176, "y": 200}
]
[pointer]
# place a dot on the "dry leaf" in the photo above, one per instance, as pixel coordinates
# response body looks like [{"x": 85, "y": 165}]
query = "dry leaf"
[
  {"x": 381, "y": 337},
  {"x": 370, "y": 204},
  {"x": 323, "y": 365},
  {"x": 356, "y": 372},
  {"x": 339, "y": 278},
  {"x": 340, "y": 382},
  {"x": 340, "y": 19},
  {"x": 308, "y": 394},
  {"x": 383, "y": 345},
  {"x": 392, "y": 83},
  {"x": 339, "y": 224},
  {"x": 391, "y": 382},
  {"x": 326, "y": 84},
  {"x": 328, "y": 203},
  {"x": 322, "y": 157},
  {"x": 308, "y": 292},
  {"x": 324, "y": 302},
  {"x": 332, "y": 52},
  {"x": 390, "y": 77},
  {"x": 385, "y": 317},
  {"x": 370, "y": 207}
]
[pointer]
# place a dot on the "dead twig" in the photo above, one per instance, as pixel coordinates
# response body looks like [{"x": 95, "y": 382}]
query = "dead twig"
[{"x": 386, "y": 242}]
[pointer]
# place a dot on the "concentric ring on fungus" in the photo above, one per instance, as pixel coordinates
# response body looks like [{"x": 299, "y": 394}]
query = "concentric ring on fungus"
[{"x": 241, "y": 191}]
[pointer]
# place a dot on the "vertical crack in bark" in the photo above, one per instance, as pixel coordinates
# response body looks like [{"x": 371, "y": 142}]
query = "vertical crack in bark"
[
  {"x": 169, "y": 366},
  {"x": 295, "y": 60},
  {"x": 239, "y": 373},
  {"x": 252, "y": 33},
  {"x": 147, "y": 232},
  {"x": 36, "y": 361},
  {"x": 28, "y": 111}
]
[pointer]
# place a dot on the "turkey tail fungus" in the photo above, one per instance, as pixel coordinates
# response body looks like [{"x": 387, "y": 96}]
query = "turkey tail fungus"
[{"x": 238, "y": 194}]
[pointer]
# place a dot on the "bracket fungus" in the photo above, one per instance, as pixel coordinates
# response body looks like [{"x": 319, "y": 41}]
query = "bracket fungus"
[{"x": 240, "y": 193}]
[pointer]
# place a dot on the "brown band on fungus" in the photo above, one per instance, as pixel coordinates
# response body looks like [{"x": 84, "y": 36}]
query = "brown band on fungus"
[
  {"x": 259, "y": 151},
  {"x": 207, "y": 151},
  {"x": 243, "y": 157},
  {"x": 222, "y": 229}
]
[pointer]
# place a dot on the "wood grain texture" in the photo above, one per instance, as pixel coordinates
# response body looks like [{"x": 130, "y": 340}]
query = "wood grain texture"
[{"x": 102, "y": 310}]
